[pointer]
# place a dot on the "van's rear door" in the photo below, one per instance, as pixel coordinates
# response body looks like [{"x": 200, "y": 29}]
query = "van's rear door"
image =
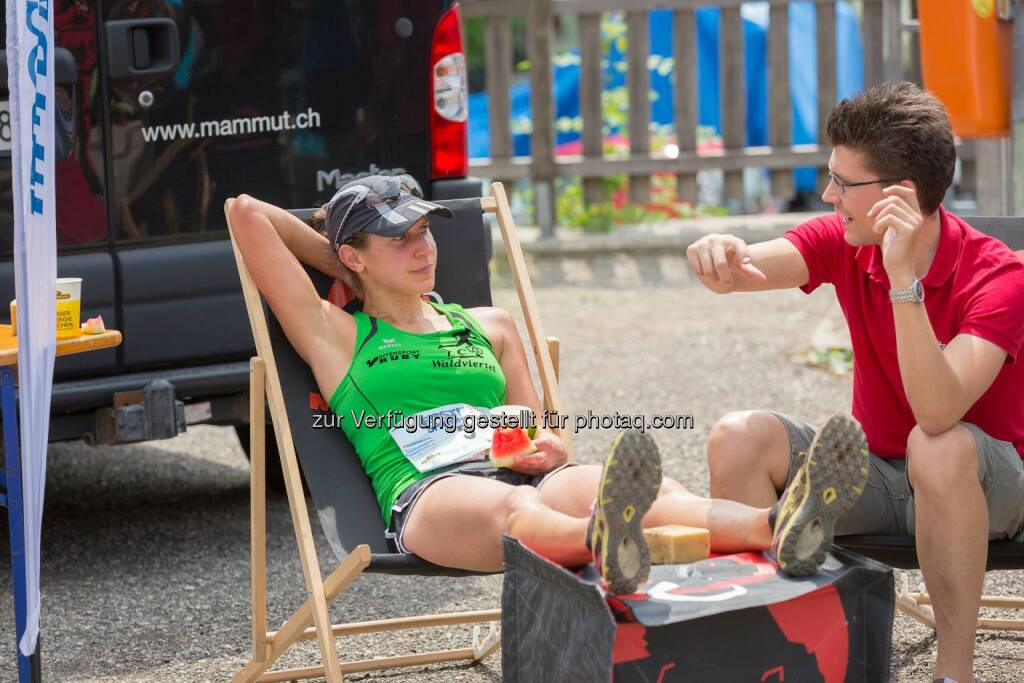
[
  {"x": 213, "y": 98},
  {"x": 175, "y": 71},
  {"x": 83, "y": 243}
]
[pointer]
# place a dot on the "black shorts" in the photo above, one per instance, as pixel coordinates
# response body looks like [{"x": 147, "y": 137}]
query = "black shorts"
[{"x": 407, "y": 499}]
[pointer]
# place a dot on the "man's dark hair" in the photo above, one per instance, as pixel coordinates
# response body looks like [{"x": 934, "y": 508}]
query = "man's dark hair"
[{"x": 904, "y": 133}]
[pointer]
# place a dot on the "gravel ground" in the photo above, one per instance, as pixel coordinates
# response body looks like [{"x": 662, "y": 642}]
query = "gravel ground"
[{"x": 145, "y": 551}]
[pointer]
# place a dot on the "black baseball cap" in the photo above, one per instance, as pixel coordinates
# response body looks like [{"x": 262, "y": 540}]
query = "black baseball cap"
[{"x": 377, "y": 204}]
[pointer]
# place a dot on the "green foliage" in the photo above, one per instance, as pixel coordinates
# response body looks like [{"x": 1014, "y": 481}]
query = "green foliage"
[
  {"x": 615, "y": 108},
  {"x": 602, "y": 217},
  {"x": 836, "y": 360},
  {"x": 571, "y": 210},
  {"x": 473, "y": 39}
]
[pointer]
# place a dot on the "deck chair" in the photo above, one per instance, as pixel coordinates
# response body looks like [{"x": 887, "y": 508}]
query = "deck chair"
[
  {"x": 341, "y": 492},
  {"x": 900, "y": 552}
]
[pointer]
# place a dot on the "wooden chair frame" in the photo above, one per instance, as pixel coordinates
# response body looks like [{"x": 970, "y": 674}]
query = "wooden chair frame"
[
  {"x": 918, "y": 605},
  {"x": 311, "y": 620}
]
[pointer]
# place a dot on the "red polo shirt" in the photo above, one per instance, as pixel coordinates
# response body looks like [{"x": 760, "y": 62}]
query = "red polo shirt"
[{"x": 975, "y": 286}]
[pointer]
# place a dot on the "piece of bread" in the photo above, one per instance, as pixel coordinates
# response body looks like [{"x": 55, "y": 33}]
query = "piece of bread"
[{"x": 677, "y": 544}]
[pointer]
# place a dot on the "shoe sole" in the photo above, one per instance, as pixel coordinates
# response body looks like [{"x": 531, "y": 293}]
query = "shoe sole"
[
  {"x": 629, "y": 485},
  {"x": 836, "y": 469}
]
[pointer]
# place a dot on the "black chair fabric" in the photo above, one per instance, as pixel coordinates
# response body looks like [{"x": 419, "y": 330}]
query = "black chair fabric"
[
  {"x": 900, "y": 552},
  {"x": 1009, "y": 229}
]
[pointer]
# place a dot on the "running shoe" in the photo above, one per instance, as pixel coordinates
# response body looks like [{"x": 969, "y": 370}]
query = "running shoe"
[
  {"x": 827, "y": 483},
  {"x": 629, "y": 484}
]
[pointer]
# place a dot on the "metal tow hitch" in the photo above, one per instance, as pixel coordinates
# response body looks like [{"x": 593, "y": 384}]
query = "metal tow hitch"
[{"x": 152, "y": 413}]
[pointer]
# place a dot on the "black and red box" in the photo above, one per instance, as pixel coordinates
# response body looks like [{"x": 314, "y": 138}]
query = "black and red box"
[{"x": 729, "y": 618}]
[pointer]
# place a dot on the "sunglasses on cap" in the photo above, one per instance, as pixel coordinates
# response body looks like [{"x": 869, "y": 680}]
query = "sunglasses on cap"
[{"x": 379, "y": 205}]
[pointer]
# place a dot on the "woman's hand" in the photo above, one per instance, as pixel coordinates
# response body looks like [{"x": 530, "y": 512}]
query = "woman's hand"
[{"x": 551, "y": 453}]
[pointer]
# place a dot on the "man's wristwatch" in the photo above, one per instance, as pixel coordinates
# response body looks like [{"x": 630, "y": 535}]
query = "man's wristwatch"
[{"x": 912, "y": 294}]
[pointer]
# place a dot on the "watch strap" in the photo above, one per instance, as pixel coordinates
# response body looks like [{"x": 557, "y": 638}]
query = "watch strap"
[{"x": 912, "y": 294}]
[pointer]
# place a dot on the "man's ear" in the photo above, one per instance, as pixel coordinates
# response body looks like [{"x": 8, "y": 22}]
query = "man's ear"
[
  {"x": 908, "y": 183},
  {"x": 917, "y": 194}
]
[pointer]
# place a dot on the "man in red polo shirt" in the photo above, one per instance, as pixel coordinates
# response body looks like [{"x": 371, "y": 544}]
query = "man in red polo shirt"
[{"x": 936, "y": 316}]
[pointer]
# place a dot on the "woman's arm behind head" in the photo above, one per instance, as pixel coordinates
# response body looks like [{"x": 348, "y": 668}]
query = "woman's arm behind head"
[{"x": 320, "y": 332}]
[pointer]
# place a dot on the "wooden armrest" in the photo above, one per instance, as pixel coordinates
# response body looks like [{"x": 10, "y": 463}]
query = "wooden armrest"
[{"x": 553, "y": 347}]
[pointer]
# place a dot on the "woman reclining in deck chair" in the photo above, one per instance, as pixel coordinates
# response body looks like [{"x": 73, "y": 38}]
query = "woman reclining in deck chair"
[{"x": 376, "y": 237}]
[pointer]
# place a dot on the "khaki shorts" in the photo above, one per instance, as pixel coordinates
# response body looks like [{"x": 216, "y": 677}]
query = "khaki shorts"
[{"x": 887, "y": 504}]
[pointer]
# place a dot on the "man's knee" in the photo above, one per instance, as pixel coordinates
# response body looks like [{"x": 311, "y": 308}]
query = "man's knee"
[
  {"x": 940, "y": 464},
  {"x": 740, "y": 436}
]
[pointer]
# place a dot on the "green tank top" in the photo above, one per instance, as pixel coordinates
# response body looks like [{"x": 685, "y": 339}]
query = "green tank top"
[{"x": 394, "y": 370}]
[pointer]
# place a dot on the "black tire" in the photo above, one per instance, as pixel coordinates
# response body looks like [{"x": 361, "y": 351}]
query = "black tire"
[{"x": 275, "y": 475}]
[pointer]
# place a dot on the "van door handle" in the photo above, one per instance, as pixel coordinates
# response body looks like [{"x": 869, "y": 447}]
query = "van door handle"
[{"x": 142, "y": 47}]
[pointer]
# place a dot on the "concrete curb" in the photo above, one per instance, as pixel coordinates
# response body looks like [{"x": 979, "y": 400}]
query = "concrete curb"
[{"x": 669, "y": 237}]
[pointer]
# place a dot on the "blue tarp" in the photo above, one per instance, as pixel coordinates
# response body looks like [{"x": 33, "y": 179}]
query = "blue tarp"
[{"x": 802, "y": 74}]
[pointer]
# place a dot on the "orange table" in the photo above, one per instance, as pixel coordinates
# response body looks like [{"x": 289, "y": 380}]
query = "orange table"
[
  {"x": 79, "y": 344},
  {"x": 10, "y": 478}
]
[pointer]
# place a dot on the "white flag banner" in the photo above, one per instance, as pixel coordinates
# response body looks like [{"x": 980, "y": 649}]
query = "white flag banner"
[{"x": 30, "y": 80}]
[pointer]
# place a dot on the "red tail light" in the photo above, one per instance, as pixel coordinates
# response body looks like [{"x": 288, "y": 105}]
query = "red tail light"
[{"x": 449, "y": 101}]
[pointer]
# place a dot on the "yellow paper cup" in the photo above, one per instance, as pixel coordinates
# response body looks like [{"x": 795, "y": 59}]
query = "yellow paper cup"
[{"x": 69, "y": 307}]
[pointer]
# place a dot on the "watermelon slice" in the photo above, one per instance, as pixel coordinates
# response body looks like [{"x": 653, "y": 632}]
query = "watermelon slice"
[
  {"x": 94, "y": 325},
  {"x": 509, "y": 442}
]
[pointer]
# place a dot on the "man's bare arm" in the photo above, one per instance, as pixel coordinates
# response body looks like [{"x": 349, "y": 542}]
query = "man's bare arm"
[
  {"x": 725, "y": 263},
  {"x": 941, "y": 385}
]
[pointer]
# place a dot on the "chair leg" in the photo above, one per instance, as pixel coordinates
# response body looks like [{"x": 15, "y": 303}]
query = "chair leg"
[
  {"x": 315, "y": 585},
  {"x": 341, "y": 578},
  {"x": 258, "y": 506},
  {"x": 375, "y": 664},
  {"x": 907, "y": 603},
  {"x": 918, "y": 605},
  {"x": 483, "y": 647},
  {"x": 293, "y": 629}
]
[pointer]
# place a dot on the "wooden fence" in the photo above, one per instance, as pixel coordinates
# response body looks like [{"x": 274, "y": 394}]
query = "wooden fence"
[{"x": 881, "y": 26}]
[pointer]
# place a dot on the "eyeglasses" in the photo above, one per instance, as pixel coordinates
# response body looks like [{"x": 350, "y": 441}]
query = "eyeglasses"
[{"x": 842, "y": 184}]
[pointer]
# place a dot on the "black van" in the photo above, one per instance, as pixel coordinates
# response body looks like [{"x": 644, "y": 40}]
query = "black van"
[{"x": 167, "y": 108}]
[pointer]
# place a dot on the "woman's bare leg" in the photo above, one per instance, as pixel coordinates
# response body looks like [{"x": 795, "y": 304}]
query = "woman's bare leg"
[
  {"x": 459, "y": 522},
  {"x": 733, "y": 526}
]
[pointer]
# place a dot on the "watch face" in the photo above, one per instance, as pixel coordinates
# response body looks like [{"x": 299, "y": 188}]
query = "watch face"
[{"x": 918, "y": 290}]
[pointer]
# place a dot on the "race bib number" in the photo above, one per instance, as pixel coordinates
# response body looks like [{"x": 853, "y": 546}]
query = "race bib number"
[{"x": 444, "y": 436}]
